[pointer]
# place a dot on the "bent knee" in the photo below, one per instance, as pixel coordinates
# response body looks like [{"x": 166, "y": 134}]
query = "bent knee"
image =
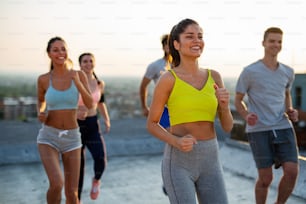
[
  {"x": 291, "y": 170},
  {"x": 56, "y": 187},
  {"x": 71, "y": 194},
  {"x": 265, "y": 181}
]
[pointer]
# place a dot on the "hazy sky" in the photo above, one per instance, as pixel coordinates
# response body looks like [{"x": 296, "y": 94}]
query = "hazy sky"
[{"x": 125, "y": 35}]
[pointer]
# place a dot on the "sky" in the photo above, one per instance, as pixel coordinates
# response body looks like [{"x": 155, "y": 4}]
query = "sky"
[{"x": 124, "y": 35}]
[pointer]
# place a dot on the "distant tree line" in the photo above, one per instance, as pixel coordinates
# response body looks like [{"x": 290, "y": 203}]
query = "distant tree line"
[
  {"x": 17, "y": 85},
  {"x": 17, "y": 90}
]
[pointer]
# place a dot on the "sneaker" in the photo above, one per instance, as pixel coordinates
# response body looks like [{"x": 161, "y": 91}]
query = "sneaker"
[{"x": 95, "y": 189}]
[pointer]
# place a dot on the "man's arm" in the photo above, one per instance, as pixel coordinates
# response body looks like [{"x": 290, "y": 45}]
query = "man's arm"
[
  {"x": 292, "y": 113},
  {"x": 143, "y": 91},
  {"x": 249, "y": 117},
  {"x": 240, "y": 105},
  {"x": 288, "y": 100}
]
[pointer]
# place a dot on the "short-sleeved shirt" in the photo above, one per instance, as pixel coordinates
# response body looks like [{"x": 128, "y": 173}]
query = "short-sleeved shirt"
[
  {"x": 153, "y": 72},
  {"x": 155, "y": 69},
  {"x": 265, "y": 90}
]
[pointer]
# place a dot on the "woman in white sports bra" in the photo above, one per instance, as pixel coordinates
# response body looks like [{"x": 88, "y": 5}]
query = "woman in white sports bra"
[
  {"x": 89, "y": 126},
  {"x": 58, "y": 92}
]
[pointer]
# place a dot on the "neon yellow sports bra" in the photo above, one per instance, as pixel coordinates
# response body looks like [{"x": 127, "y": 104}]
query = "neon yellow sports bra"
[{"x": 188, "y": 104}]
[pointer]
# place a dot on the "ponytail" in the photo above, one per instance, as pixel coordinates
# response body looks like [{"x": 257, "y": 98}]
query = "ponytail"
[{"x": 98, "y": 80}]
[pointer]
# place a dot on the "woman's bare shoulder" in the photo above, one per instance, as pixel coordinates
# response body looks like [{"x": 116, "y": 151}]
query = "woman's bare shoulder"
[
  {"x": 167, "y": 78},
  {"x": 102, "y": 83},
  {"x": 217, "y": 78},
  {"x": 101, "y": 86},
  {"x": 215, "y": 73},
  {"x": 81, "y": 74},
  {"x": 44, "y": 77},
  {"x": 43, "y": 81},
  {"x": 165, "y": 82}
]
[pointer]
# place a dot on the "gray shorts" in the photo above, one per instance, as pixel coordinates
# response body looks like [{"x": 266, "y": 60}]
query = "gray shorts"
[
  {"x": 274, "y": 146},
  {"x": 62, "y": 140}
]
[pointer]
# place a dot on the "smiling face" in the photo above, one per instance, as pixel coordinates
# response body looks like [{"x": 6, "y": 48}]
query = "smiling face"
[
  {"x": 58, "y": 52},
  {"x": 272, "y": 44},
  {"x": 190, "y": 43},
  {"x": 87, "y": 63}
]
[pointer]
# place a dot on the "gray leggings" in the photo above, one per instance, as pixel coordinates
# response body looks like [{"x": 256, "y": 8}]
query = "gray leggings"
[{"x": 198, "y": 172}]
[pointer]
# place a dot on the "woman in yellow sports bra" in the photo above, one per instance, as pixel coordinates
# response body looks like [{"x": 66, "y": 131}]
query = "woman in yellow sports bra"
[{"x": 194, "y": 97}]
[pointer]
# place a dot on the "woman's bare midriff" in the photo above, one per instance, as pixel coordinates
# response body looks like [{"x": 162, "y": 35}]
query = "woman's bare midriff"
[
  {"x": 62, "y": 119},
  {"x": 201, "y": 130}
]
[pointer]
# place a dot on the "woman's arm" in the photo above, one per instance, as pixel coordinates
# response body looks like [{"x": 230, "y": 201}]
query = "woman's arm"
[
  {"x": 223, "y": 97},
  {"x": 161, "y": 94},
  {"x": 81, "y": 83},
  {"x": 103, "y": 108},
  {"x": 41, "y": 102},
  {"x": 104, "y": 113},
  {"x": 160, "y": 97}
]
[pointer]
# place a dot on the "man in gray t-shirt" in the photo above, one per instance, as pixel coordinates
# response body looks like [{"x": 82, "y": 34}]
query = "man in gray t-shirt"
[
  {"x": 268, "y": 116},
  {"x": 153, "y": 72}
]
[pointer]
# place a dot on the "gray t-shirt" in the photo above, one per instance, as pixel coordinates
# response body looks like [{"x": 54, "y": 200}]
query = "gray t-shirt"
[
  {"x": 265, "y": 90},
  {"x": 155, "y": 69}
]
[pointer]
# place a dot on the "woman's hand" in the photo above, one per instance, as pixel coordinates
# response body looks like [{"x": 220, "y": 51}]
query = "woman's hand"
[
  {"x": 223, "y": 96},
  {"x": 107, "y": 126},
  {"x": 185, "y": 143},
  {"x": 42, "y": 117}
]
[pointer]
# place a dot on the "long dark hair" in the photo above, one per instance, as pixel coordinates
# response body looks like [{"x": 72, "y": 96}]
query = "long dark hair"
[
  {"x": 89, "y": 54},
  {"x": 175, "y": 35}
]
